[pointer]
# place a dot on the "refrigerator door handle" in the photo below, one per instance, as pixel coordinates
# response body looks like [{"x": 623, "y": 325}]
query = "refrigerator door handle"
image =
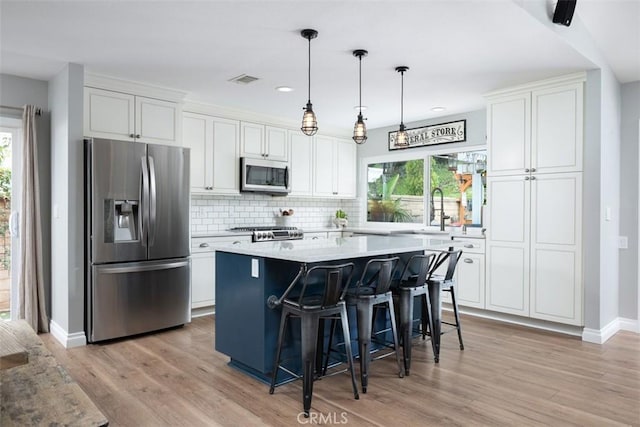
[
  {"x": 144, "y": 218},
  {"x": 118, "y": 269},
  {"x": 152, "y": 201}
]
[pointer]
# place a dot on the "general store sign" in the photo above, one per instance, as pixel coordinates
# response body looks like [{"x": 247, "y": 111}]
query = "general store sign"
[{"x": 432, "y": 135}]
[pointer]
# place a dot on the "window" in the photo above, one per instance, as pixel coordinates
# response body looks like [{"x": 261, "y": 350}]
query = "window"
[
  {"x": 395, "y": 191},
  {"x": 455, "y": 187}
]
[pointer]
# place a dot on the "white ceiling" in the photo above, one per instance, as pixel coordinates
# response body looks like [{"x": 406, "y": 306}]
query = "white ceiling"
[{"x": 456, "y": 50}]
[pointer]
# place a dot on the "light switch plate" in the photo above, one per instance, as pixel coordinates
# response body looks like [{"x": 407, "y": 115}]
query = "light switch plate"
[
  {"x": 255, "y": 269},
  {"x": 623, "y": 242}
]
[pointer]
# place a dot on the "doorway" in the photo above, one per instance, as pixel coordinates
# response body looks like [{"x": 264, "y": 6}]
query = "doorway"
[{"x": 10, "y": 156}]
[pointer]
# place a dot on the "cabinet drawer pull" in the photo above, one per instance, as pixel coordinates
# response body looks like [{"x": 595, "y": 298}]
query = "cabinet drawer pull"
[
  {"x": 204, "y": 245},
  {"x": 468, "y": 260},
  {"x": 237, "y": 242},
  {"x": 469, "y": 245}
]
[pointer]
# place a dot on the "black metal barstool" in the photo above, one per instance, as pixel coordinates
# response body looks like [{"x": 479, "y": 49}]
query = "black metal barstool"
[
  {"x": 322, "y": 296},
  {"x": 432, "y": 307},
  {"x": 371, "y": 291},
  {"x": 409, "y": 286}
]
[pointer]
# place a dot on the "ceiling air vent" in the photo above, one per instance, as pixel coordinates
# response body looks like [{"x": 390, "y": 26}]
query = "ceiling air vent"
[{"x": 243, "y": 79}]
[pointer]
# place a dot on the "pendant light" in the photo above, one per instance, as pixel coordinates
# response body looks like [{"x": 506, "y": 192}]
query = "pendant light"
[
  {"x": 309, "y": 121},
  {"x": 402, "y": 139},
  {"x": 359, "y": 129}
]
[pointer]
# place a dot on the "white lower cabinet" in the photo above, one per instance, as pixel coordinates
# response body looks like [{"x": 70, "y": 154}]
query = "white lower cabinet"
[
  {"x": 534, "y": 246},
  {"x": 203, "y": 291},
  {"x": 203, "y": 267},
  {"x": 470, "y": 281}
]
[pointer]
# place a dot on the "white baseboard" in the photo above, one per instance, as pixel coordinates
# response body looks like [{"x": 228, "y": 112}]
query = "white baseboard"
[
  {"x": 519, "y": 320},
  {"x": 76, "y": 339},
  {"x": 203, "y": 311},
  {"x": 600, "y": 336}
]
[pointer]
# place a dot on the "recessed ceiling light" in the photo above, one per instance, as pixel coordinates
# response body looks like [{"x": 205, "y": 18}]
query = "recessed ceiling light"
[
  {"x": 284, "y": 89},
  {"x": 357, "y": 107},
  {"x": 438, "y": 109}
]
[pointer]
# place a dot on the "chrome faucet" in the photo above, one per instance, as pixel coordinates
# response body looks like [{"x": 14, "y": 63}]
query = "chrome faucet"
[{"x": 442, "y": 215}]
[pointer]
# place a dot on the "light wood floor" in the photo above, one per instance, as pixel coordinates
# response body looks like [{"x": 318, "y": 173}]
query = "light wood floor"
[{"x": 507, "y": 375}]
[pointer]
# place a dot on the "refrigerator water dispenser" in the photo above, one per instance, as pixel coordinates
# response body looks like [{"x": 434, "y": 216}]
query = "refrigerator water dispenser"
[{"x": 125, "y": 224}]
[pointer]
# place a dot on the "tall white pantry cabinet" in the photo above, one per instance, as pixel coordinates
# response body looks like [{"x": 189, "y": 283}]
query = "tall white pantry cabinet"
[{"x": 534, "y": 196}]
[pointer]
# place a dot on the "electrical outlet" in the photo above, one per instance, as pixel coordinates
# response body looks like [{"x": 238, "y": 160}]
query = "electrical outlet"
[{"x": 623, "y": 242}]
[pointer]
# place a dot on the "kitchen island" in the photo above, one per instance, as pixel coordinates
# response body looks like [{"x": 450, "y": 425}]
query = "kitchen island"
[{"x": 248, "y": 274}]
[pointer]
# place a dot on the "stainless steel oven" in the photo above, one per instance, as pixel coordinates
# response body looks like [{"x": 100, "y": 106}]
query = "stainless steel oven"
[{"x": 264, "y": 176}]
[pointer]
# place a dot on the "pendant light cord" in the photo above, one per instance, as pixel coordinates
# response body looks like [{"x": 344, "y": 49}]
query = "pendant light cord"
[
  {"x": 309, "y": 79},
  {"x": 360, "y": 84},
  {"x": 401, "y": 97}
]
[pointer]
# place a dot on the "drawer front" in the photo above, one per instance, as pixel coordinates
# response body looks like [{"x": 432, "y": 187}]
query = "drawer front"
[{"x": 474, "y": 246}]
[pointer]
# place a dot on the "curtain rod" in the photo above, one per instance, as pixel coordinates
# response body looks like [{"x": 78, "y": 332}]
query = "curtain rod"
[{"x": 38, "y": 111}]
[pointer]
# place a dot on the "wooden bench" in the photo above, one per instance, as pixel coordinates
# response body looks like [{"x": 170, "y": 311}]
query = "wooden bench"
[{"x": 35, "y": 389}]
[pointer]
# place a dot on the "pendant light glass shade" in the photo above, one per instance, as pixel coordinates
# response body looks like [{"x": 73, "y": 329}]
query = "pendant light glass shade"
[
  {"x": 359, "y": 129},
  {"x": 309, "y": 120},
  {"x": 402, "y": 139}
]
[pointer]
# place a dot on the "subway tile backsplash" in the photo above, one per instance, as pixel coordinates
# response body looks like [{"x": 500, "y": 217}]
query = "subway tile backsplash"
[{"x": 211, "y": 214}]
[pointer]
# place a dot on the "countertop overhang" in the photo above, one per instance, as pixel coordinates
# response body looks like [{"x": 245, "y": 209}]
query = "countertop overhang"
[{"x": 342, "y": 248}]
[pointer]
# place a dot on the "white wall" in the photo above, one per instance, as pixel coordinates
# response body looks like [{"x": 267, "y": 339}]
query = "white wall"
[
  {"x": 610, "y": 195},
  {"x": 15, "y": 92},
  {"x": 65, "y": 103},
  {"x": 629, "y": 196}
]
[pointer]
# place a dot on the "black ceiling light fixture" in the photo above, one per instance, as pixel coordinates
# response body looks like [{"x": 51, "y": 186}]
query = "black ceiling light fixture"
[
  {"x": 402, "y": 139},
  {"x": 359, "y": 129},
  {"x": 309, "y": 121}
]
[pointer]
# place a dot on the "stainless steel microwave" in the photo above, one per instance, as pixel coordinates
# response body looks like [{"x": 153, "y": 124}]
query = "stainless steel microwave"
[{"x": 264, "y": 176}]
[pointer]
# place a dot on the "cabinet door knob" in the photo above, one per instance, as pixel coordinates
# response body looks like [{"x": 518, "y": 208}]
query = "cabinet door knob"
[
  {"x": 526, "y": 170},
  {"x": 131, "y": 135},
  {"x": 533, "y": 169},
  {"x": 468, "y": 260},
  {"x": 526, "y": 178},
  {"x": 138, "y": 136},
  {"x": 532, "y": 178}
]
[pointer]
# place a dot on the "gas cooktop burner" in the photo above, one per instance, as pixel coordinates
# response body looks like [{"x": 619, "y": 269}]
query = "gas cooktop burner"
[
  {"x": 263, "y": 228},
  {"x": 266, "y": 233}
]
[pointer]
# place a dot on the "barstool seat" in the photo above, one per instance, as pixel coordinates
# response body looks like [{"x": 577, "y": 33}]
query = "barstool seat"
[{"x": 322, "y": 291}]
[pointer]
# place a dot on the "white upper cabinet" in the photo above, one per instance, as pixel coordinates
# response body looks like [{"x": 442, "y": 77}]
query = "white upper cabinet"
[
  {"x": 214, "y": 144},
  {"x": 117, "y": 115},
  {"x": 557, "y": 129},
  {"x": 334, "y": 168},
  {"x": 509, "y": 135},
  {"x": 346, "y": 168},
  {"x": 264, "y": 142},
  {"x": 539, "y": 130},
  {"x": 301, "y": 161}
]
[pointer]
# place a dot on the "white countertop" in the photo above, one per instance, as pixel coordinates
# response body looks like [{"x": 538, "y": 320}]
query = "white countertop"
[{"x": 332, "y": 249}]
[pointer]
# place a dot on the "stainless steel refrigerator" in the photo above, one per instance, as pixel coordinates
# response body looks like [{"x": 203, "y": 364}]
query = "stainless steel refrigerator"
[{"x": 137, "y": 238}]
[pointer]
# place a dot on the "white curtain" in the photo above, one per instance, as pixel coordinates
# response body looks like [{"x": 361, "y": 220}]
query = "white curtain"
[{"x": 30, "y": 277}]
